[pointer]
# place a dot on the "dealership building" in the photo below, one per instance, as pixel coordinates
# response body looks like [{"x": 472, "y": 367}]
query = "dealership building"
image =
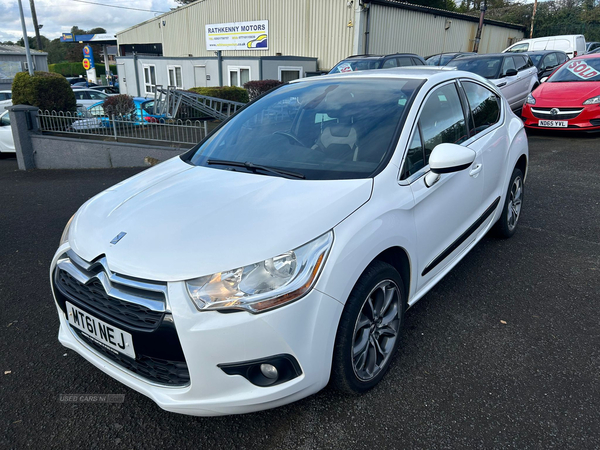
[{"x": 229, "y": 42}]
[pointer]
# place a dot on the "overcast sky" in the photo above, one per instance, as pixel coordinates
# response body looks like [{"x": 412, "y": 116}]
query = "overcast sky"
[{"x": 58, "y": 16}]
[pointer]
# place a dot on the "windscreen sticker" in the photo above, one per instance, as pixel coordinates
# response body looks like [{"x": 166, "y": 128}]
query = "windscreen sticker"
[
  {"x": 582, "y": 70},
  {"x": 345, "y": 67}
]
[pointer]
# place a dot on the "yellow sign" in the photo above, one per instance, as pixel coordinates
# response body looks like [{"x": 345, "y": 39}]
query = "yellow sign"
[{"x": 86, "y": 64}]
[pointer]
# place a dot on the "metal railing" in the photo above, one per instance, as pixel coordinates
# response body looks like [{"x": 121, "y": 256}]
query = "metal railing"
[
  {"x": 170, "y": 100},
  {"x": 131, "y": 127}
]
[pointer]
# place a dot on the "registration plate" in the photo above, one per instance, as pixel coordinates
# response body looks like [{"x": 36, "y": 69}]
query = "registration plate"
[
  {"x": 553, "y": 123},
  {"x": 109, "y": 336}
]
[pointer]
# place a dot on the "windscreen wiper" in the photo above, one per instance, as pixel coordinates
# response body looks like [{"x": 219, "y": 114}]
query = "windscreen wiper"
[{"x": 255, "y": 167}]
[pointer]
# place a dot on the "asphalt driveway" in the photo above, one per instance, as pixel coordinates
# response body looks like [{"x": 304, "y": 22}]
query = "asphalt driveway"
[{"x": 502, "y": 353}]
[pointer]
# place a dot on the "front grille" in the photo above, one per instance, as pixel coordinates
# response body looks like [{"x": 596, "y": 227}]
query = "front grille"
[
  {"x": 157, "y": 370},
  {"x": 93, "y": 295},
  {"x": 136, "y": 306},
  {"x": 563, "y": 113}
]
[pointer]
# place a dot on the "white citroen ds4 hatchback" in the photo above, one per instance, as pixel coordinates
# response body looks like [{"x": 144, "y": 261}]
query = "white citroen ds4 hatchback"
[{"x": 282, "y": 251}]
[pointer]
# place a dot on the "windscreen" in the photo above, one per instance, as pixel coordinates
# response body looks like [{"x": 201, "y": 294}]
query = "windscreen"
[
  {"x": 485, "y": 67},
  {"x": 439, "y": 60},
  {"x": 587, "y": 69},
  {"x": 354, "y": 64},
  {"x": 326, "y": 129}
]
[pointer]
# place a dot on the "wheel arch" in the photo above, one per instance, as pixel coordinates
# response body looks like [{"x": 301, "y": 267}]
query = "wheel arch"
[{"x": 398, "y": 258}]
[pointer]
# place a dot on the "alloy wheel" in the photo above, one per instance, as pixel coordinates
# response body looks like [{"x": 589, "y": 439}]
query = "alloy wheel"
[
  {"x": 514, "y": 203},
  {"x": 376, "y": 330}
]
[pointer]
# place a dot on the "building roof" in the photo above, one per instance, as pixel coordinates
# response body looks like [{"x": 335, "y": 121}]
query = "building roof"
[
  {"x": 17, "y": 50},
  {"x": 443, "y": 13},
  {"x": 391, "y": 3}
]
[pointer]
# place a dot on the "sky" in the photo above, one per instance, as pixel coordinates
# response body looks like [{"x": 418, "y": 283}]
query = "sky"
[{"x": 58, "y": 16}]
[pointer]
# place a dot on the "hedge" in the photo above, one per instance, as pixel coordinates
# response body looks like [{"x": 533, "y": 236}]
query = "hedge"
[
  {"x": 74, "y": 69},
  {"x": 119, "y": 105},
  {"x": 259, "y": 87},
  {"x": 45, "y": 90},
  {"x": 232, "y": 93}
]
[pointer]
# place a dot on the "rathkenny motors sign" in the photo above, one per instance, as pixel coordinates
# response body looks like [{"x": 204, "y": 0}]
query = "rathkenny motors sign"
[{"x": 238, "y": 36}]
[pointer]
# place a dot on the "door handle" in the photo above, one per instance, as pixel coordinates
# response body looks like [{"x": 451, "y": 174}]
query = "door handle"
[
  {"x": 476, "y": 170},
  {"x": 501, "y": 84}
]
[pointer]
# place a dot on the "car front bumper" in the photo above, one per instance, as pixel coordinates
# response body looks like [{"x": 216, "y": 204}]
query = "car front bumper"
[
  {"x": 304, "y": 329},
  {"x": 587, "y": 120}
]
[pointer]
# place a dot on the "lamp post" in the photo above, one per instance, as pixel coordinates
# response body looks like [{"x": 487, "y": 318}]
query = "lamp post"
[{"x": 26, "y": 41}]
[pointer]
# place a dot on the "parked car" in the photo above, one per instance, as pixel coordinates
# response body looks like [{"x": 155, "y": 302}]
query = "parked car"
[
  {"x": 7, "y": 144},
  {"x": 5, "y": 100},
  {"x": 370, "y": 62},
  {"x": 591, "y": 46},
  {"x": 282, "y": 252},
  {"x": 89, "y": 97},
  {"x": 569, "y": 99},
  {"x": 106, "y": 89},
  {"x": 73, "y": 80},
  {"x": 546, "y": 61},
  {"x": 94, "y": 116},
  {"x": 514, "y": 74},
  {"x": 572, "y": 45},
  {"x": 85, "y": 84},
  {"x": 441, "y": 59}
]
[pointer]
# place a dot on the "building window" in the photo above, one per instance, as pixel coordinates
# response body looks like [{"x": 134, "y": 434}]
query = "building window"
[
  {"x": 238, "y": 76},
  {"x": 287, "y": 74},
  {"x": 175, "y": 76},
  {"x": 149, "y": 79}
]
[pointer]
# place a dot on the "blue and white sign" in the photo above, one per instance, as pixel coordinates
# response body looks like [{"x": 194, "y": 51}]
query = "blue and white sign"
[{"x": 238, "y": 36}]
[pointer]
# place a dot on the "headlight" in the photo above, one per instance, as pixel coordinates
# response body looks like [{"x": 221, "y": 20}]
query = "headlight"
[
  {"x": 264, "y": 285},
  {"x": 65, "y": 235},
  {"x": 530, "y": 100},
  {"x": 592, "y": 101}
]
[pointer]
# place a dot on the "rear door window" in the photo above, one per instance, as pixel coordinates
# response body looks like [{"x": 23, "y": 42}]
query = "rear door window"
[
  {"x": 484, "y": 106},
  {"x": 417, "y": 62},
  {"x": 390, "y": 63},
  {"x": 550, "y": 61},
  {"x": 405, "y": 61},
  {"x": 520, "y": 62}
]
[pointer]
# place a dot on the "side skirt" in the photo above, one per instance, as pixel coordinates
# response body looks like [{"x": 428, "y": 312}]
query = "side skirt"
[{"x": 462, "y": 238}]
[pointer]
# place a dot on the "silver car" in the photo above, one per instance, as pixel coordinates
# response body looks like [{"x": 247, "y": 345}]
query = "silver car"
[{"x": 514, "y": 74}]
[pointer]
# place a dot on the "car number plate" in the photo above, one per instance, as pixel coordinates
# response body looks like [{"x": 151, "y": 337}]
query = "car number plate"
[
  {"x": 553, "y": 123},
  {"x": 109, "y": 336}
]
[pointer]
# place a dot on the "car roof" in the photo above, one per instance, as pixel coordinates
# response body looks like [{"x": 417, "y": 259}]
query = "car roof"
[
  {"x": 435, "y": 73},
  {"x": 381, "y": 56},
  {"x": 587, "y": 55},
  {"x": 542, "y": 52}
]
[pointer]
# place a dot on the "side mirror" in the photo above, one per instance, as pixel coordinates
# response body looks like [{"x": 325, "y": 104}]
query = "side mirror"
[
  {"x": 544, "y": 79},
  {"x": 511, "y": 73},
  {"x": 448, "y": 158}
]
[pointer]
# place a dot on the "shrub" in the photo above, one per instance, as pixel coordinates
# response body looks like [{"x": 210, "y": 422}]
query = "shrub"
[
  {"x": 119, "y": 105},
  {"x": 232, "y": 93},
  {"x": 259, "y": 87},
  {"x": 45, "y": 90}
]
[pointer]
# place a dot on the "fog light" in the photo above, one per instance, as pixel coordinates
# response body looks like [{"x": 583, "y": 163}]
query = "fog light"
[
  {"x": 269, "y": 371},
  {"x": 265, "y": 372}
]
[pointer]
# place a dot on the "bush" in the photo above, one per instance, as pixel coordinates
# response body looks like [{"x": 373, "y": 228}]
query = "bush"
[
  {"x": 235, "y": 94},
  {"x": 45, "y": 90},
  {"x": 119, "y": 105},
  {"x": 259, "y": 87},
  {"x": 75, "y": 69}
]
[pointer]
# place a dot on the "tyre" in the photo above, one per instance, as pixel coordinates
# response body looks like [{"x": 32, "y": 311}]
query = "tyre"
[
  {"x": 507, "y": 224},
  {"x": 369, "y": 329}
]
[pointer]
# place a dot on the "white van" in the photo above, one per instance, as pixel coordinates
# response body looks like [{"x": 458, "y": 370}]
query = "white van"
[{"x": 572, "y": 44}]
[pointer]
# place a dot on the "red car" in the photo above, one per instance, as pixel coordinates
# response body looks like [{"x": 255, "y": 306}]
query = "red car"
[{"x": 569, "y": 99}]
